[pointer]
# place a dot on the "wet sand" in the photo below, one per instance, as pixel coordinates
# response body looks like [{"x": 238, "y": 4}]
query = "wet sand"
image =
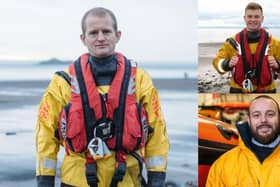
[
  {"x": 209, "y": 80},
  {"x": 8, "y": 100}
]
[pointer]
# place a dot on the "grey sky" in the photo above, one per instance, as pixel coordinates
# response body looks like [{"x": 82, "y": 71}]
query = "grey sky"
[
  {"x": 230, "y": 13},
  {"x": 152, "y": 30}
]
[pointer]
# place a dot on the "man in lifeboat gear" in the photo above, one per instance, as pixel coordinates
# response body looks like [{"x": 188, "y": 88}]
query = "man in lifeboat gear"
[
  {"x": 106, "y": 113},
  {"x": 252, "y": 56},
  {"x": 255, "y": 160}
]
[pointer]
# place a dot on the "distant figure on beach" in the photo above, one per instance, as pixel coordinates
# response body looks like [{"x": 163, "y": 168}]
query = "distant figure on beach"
[
  {"x": 255, "y": 160},
  {"x": 252, "y": 56},
  {"x": 107, "y": 116}
]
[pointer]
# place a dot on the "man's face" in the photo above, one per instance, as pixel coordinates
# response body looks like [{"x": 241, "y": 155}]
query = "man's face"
[
  {"x": 253, "y": 19},
  {"x": 100, "y": 37},
  {"x": 264, "y": 120}
]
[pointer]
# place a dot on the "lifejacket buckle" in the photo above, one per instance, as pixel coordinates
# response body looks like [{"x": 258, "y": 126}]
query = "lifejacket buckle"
[
  {"x": 104, "y": 130},
  {"x": 248, "y": 85},
  {"x": 98, "y": 149},
  {"x": 95, "y": 147}
]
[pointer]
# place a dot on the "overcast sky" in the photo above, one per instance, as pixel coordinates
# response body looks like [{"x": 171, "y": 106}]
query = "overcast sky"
[
  {"x": 230, "y": 13},
  {"x": 152, "y": 30}
]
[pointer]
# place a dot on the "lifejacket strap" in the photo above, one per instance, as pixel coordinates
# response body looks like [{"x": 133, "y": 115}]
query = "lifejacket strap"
[
  {"x": 119, "y": 113},
  {"x": 91, "y": 174},
  {"x": 118, "y": 174},
  {"x": 88, "y": 113},
  {"x": 142, "y": 169},
  {"x": 64, "y": 75}
]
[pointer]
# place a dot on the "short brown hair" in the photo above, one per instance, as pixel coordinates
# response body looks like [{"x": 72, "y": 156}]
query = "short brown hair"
[
  {"x": 253, "y": 6},
  {"x": 99, "y": 11},
  {"x": 265, "y": 97}
]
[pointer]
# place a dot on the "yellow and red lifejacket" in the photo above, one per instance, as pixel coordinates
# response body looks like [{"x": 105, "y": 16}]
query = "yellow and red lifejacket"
[
  {"x": 80, "y": 119},
  {"x": 257, "y": 62}
]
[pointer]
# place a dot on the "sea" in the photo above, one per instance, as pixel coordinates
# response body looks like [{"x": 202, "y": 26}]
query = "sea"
[
  {"x": 220, "y": 34},
  {"x": 25, "y": 70},
  {"x": 17, "y": 140}
]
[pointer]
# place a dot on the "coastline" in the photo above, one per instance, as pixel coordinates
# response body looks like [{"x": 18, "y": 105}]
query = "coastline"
[{"x": 160, "y": 83}]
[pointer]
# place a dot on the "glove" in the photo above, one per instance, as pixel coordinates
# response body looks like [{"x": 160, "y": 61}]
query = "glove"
[
  {"x": 156, "y": 179},
  {"x": 45, "y": 181}
]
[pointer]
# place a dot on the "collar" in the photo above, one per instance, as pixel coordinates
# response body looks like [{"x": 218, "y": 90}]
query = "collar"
[
  {"x": 105, "y": 60},
  {"x": 271, "y": 145},
  {"x": 253, "y": 36}
]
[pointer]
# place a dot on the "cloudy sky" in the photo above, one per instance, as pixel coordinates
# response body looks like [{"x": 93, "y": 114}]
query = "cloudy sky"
[
  {"x": 152, "y": 30},
  {"x": 230, "y": 13}
]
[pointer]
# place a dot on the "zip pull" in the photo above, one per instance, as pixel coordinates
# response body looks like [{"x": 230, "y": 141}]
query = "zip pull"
[{"x": 104, "y": 105}]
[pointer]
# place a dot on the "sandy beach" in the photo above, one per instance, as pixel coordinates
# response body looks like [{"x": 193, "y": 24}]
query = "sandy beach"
[{"x": 209, "y": 80}]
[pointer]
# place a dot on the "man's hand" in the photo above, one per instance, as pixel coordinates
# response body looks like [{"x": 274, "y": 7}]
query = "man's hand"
[
  {"x": 233, "y": 61},
  {"x": 156, "y": 179},
  {"x": 272, "y": 62}
]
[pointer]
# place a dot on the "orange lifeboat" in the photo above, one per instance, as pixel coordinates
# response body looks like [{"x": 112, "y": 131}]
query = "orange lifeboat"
[
  {"x": 214, "y": 138},
  {"x": 230, "y": 112}
]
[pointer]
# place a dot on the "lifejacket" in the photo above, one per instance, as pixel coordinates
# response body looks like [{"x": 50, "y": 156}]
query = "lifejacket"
[
  {"x": 253, "y": 66},
  {"x": 115, "y": 117}
]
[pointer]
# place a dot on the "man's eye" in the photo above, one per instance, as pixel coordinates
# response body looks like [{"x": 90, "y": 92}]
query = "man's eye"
[
  {"x": 271, "y": 114},
  {"x": 94, "y": 33},
  {"x": 255, "y": 115},
  {"x": 106, "y": 32}
]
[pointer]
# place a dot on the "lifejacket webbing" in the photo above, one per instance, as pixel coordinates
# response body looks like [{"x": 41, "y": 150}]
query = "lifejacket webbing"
[
  {"x": 139, "y": 116},
  {"x": 64, "y": 75},
  {"x": 88, "y": 113},
  {"x": 120, "y": 111},
  {"x": 260, "y": 62},
  {"x": 246, "y": 66}
]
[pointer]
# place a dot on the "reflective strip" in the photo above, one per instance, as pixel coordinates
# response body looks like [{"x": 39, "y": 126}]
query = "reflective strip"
[
  {"x": 220, "y": 68},
  {"x": 37, "y": 164},
  {"x": 157, "y": 161},
  {"x": 133, "y": 63},
  {"x": 49, "y": 163}
]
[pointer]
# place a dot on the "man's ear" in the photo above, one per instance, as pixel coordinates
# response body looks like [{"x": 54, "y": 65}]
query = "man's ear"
[
  {"x": 248, "y": 120},
  {"x": 82, "y": 37},
  {"x": 118, "y": 35}
]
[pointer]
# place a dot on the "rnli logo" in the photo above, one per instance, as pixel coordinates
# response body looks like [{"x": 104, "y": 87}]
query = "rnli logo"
[
  {"x": 155, "y": 104},
  {"x": 131, "y": 86},
  {"x": 145, "y": 127},
  {"x": 63, "y": 123},
  {"x": 74, "y": 85},
  {"x": 44, "y": 111}
]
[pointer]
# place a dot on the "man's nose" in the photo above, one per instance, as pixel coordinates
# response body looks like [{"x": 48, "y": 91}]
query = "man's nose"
[
  {"x": 263, "y": 118},
  {"x": 100, "y": 36}
]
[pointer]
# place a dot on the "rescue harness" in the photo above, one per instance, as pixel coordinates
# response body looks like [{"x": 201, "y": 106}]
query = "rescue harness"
[
  {"x": 252, "y": 68},
  {"x": 91, "y": 121}
]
